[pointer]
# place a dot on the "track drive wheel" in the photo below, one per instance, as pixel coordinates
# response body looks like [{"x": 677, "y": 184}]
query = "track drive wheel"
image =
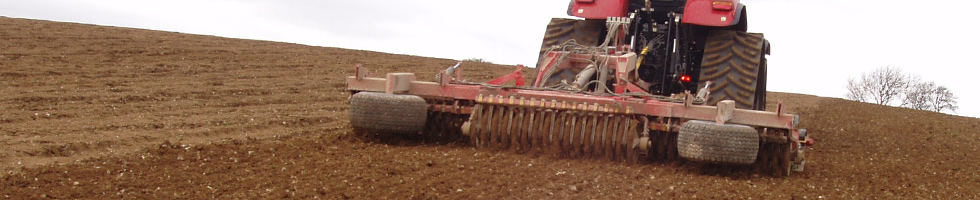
[
  {"x": 735, "y": 63},
  {"x": 705, "y": 141},
  {"x": 387, "y": 113}
]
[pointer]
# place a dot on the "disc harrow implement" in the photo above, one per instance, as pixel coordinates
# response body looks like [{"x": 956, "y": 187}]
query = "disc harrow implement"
[
  {"x": 580, "y": 123},
  {"x": 571, "y": 131}
]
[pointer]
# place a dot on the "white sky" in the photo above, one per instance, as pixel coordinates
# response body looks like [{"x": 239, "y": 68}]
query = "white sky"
[{"x": 817, "y": 45}]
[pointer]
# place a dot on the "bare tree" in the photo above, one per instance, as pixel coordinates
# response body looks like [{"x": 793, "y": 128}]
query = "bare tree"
[
  {"x": 920, "y": 96},
  {"x": 881, "y": 86},
  {"x": 885, "y": 84},
  {"x": 857, "y": 90},
  {"x": 943, "y": 99}
]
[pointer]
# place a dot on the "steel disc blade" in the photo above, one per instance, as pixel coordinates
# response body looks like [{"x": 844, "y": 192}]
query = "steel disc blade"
[
  {"x": 526, "y": 129},
  {"x": 561, "y": 124},
  {"x": 621, "y": 138},
  {"x": 500, "y": 119},
  {"x": 595, "y": 138},
  {"x": 604, "y": 137},
  {"x": 515, "y": 134},
  {"x": 532, "y": 128},
  {"x": 508, "y": 132},
  {"x": 491, "y": 126},
  {"x": 572, "y": 136},
  {"x": 475, "y": 121}
]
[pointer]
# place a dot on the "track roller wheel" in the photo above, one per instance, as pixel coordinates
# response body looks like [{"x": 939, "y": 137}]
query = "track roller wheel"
[
  {"x": 709, "y": 142},
  {"x": 387, "y": 113}
]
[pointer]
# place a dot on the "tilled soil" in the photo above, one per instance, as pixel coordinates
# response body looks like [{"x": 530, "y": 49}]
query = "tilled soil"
[{"x": 105, "y": 112}]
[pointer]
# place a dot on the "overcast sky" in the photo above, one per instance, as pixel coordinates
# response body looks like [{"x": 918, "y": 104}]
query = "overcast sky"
[{"x": 817, "y": 45}]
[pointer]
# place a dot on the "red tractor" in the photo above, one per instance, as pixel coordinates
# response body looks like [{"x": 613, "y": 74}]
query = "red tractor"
[
  {"x": 632, "y": 80},
  {"x": 679, "y": 46}
]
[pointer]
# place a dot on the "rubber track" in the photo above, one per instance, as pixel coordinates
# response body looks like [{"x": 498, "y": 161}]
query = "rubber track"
[
  {"x": 708, "y": 142},
  {"x": 387, "y": 113},
  {"x": 735, "y": 65},
  {"x": 559, "y": 30}
]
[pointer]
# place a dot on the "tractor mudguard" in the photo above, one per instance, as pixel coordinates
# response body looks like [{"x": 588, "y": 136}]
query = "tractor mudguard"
[
  {"x": 716, "y": 13},
  {"x": 598, "y": 9}
]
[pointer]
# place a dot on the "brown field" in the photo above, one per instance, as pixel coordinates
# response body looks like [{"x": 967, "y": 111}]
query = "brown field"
[{"x": 101, "y": 112}]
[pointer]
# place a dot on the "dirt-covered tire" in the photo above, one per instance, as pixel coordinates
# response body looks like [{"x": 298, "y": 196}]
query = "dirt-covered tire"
[
  {"x": 735, "y": 64},
  {"x": 704, "y": 141},
  {"x": 387, "y": 113}
]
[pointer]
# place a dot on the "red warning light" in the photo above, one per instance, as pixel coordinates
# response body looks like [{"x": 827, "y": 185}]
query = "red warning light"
[{"x": 686, "y": 78}]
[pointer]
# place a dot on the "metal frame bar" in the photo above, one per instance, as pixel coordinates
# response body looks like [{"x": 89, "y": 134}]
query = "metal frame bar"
[{"x": 564, "y": 100}]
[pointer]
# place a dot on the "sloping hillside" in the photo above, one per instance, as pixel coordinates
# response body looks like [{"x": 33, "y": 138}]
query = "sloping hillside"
[{"x": 104, "y": 112}]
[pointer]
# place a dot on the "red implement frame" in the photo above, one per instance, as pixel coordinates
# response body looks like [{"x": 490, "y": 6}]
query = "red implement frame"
[
  {"x": 620, "y": 65},
  {"x": 517, "y": 76},
  {"x": 564, "y": 100}
]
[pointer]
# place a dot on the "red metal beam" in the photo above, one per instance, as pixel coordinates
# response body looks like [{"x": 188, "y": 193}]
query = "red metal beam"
[
  {"x": 517, "y": 76},
  {"x": 566, "y": 100}
]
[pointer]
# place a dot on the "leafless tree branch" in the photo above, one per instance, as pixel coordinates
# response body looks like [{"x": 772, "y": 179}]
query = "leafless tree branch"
[
  {"x": 943, "y": 99},
  {"x": 919, "y": 96},
  {"x": 881, "y": 86},
  {"x": 885, "y": 84}
]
